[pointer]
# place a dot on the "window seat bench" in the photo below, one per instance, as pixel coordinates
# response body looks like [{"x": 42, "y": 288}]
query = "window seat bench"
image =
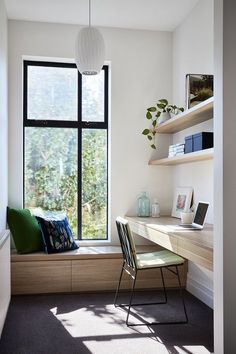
[{"x": 85, "y": 269}]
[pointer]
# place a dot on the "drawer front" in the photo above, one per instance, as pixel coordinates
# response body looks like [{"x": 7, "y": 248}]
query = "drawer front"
[
  {"x": 97, "y": 274},
  {"x": 41, "y": 277}
]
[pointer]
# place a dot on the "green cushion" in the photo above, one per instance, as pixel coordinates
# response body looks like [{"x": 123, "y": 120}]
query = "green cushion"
[
  {"x": 25, "y": 230},
  {"x": 158, "y": 259}
]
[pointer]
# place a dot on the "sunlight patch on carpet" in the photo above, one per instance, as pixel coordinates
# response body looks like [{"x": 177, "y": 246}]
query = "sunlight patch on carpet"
[
  {"x": 131, "y": 345},
  {"x": 192, "y": 349},
  {"x": 95, "y": 321}
]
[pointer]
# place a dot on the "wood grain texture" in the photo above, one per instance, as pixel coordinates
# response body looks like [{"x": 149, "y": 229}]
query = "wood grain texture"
[
  {"x": 196, "y": 156},
  {"x": 93, "y": 275},
  {"x": 196, "y": 246},
  {"x": 104, "y": 275},
  {"x": 77, "y": 274},
  {"x": 143, "y": 227},
  {"x": 83, "y": 252},
  {"x": 195, "y": 115},
  {"x": 41, "y": 277}
]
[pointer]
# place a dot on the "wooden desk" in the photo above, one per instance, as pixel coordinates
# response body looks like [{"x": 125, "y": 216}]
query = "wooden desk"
[{"x": 196, "y": 246}]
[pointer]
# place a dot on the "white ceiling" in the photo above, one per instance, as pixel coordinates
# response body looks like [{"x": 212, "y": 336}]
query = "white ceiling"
[{"x": 162, "y": 15}]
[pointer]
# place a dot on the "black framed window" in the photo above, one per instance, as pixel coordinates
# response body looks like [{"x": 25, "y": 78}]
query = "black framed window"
[{"x": 65, "y": 119}]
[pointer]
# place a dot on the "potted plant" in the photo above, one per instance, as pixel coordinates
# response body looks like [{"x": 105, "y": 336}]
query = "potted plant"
[{"x": 158, "y": 115}]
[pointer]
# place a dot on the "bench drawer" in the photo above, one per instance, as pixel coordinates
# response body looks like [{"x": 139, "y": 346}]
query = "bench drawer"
[
  {"x": 97, "y": 274},
  {"x": 41, "y": 277}
]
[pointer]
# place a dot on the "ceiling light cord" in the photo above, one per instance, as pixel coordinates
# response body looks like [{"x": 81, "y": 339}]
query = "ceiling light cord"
[{"x": 89, "y": 48}]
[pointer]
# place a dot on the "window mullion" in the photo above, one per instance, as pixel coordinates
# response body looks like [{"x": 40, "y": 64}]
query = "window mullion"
[
  {"x": 79, "y": 172},
  {"x": 93, "y": 143}
]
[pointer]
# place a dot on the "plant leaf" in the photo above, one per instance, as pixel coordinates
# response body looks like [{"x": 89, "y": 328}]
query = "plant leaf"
[
  {"x": 148, "y": 115},
  {"x": 161, "y": 105},
  {"x": 153, "y": 146},
  {"x": 152, "y": 109},
  {"x": 149, "y": 137},
  {"x": 158, "y": 114},
  {"x": 154, "y": 123},
  {"x": 146, "y": 131},
  {"x": 163, "y": 100},
  {"x": 181, "y": 109}
]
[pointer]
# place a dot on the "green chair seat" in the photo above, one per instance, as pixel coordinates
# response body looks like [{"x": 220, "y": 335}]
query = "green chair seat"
[{"x": 157, "y": 259}]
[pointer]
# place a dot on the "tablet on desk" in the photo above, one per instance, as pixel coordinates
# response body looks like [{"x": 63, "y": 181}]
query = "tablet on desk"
[{"x": 198, "y": 221}]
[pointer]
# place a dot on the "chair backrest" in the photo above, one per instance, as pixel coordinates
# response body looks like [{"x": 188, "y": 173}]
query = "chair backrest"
[{"x": 127, "y": 242}]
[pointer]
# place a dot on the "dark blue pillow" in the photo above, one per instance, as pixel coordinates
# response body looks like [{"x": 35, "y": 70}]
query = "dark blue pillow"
[{"x": 57, "y": 235}]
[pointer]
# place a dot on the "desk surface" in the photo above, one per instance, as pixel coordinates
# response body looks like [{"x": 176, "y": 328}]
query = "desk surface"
[{"x": 196, "y": 246}]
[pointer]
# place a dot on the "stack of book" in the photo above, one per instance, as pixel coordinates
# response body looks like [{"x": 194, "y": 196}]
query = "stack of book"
[{"x": 176, "y": 150}]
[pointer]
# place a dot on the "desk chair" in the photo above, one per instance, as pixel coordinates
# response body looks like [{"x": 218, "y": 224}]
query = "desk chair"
[{"x": 134, "y": 263}]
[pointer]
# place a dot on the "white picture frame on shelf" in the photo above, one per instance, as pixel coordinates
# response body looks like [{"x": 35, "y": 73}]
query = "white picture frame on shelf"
[{"x": 182, "y": 201}]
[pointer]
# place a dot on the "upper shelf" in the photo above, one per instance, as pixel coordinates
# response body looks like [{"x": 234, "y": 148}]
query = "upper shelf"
[
  {"x": 201, "y": 155},
  {"x": 195, "y": 115}
]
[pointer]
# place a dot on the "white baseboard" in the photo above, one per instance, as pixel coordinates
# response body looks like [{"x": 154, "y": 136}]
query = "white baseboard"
[{"x": 200, "y": 290}]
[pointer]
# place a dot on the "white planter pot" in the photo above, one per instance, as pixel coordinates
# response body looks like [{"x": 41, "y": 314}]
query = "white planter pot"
[{"x": 164, "y": 117}]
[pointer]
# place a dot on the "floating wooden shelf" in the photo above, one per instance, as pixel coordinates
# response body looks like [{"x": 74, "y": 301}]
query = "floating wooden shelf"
[
  {"x": 186, "y": 158},
  {"x": 195, "y": 115}
]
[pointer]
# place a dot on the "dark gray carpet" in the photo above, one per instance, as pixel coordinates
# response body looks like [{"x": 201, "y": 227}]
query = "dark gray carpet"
[{"x": 89, "y": 323}]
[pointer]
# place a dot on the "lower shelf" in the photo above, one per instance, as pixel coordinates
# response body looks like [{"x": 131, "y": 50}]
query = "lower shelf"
[{"x": 186, "y": 158}]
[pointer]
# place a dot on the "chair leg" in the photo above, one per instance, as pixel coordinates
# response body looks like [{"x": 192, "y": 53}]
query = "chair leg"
[
  {"x": 118, "y": 286},
  {"x": 159, "y": 323},
  {"x": 181, "y": 293},
  {"x": 163, "y": 283},
  {"x": 139, "y": 304},
  {"x": 130, "y": 301},
  {"x": 165, "y": 293}
]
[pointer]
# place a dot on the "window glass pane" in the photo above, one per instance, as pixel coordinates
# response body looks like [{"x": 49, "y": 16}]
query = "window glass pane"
[
  {"x": 52, "y": 93},
  {"x": 51, "y": 171},
  {"x": 93, "y": 97},
  {"x": 94, "y": 184}
]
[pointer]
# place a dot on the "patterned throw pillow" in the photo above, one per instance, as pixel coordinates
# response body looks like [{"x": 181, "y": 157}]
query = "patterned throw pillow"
[{"x": 57, "y": 235}]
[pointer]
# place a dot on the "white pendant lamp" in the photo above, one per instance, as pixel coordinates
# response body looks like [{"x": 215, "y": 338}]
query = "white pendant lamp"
[{"x": 89, "y": 49}]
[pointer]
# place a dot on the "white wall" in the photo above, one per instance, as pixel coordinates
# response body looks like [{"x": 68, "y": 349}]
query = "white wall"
[
  {"x": 193, "y": 47},
  {"x": 3, "y": 116},
  {"x": 4, "y": 252},
  {"x": 193, "y": 53},
  {"x": 141, "y": 72}
]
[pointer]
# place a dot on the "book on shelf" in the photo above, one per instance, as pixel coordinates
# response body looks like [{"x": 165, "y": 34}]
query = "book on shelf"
[
  {"x": 173, "y": 154},
  {"x": 176, "y": 149}
]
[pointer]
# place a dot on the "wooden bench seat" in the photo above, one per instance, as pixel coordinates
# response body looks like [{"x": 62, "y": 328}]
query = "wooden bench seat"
[
  {"x": 82, "y": 252},
  {"x": 84, "y": 269}
]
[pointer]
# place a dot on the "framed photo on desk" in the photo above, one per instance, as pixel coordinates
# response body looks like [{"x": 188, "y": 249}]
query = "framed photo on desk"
[{"x": 182, "y": 200}]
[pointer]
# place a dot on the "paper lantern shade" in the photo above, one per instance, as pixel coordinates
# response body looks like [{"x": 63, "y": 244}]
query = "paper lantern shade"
[{"x": 89, "y": 51}]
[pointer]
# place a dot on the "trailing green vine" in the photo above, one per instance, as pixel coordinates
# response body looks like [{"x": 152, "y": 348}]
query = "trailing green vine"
[{"x": 152, "y": 115}]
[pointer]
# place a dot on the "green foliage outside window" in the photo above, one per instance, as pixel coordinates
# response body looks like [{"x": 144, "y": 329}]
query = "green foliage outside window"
[{"x": 51, "y": 154}]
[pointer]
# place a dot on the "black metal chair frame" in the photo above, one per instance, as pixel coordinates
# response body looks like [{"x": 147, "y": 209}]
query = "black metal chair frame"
[{"x": 130, "y": 267}]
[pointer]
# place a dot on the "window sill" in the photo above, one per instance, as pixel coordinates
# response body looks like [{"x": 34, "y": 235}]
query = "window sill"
[{"x": 93, "y": 242}]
